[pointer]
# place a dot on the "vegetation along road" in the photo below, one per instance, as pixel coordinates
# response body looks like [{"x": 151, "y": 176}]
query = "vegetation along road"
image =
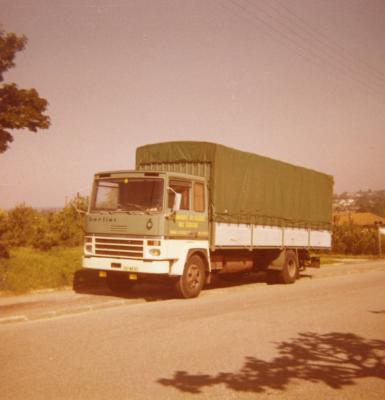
[{"x": 323, "y": 337}]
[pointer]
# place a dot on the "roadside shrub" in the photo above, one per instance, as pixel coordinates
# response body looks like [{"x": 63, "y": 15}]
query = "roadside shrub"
[
  {"x": 21, "y": 226},
  {"x": 353, "y": 239},
  {"x": 44, "y": 242},
  {"x": 24, "y": 226},
  {"x": 3, "y": 222},
  {"x": 67, "y": 226},
  {"x": 4, "y": 251}
]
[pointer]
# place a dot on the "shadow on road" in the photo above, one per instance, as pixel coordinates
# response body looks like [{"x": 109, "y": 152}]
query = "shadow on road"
[
  {"x": 335, "y": 359},
  {"x": 88, "y": 282}
]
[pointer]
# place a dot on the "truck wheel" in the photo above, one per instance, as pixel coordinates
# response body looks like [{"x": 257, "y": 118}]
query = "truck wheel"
[
  {"x": 191, "y": 282},
  {"x": 289, "y": 271},
  {"x": 118, "y": 282}
]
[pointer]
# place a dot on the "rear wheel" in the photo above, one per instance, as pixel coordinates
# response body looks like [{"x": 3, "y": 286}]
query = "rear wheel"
[
  {"x": 191, "y": 282},
  {"x": 118, "y": 282},
  {"x": 289, "y": 271}
]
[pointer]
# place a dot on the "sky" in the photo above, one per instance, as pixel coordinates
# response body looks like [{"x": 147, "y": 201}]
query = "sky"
[{"x": 302, "y": 81}]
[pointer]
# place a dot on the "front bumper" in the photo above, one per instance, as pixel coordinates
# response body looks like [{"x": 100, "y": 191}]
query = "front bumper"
[{"x": 128, "y": 265}]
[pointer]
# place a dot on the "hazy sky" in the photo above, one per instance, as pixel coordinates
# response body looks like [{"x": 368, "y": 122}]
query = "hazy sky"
[{"x": 302, "y": 81}]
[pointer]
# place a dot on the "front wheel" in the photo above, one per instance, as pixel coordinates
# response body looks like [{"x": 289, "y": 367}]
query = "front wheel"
[{"x": 190, "y": 284}]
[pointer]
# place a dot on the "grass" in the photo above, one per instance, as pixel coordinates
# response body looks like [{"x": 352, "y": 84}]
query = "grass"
[{"x": 28, "y": 269}]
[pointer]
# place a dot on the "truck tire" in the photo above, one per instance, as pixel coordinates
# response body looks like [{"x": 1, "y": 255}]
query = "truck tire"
[
  {"x": 191, "y": 282},
  {"x": 118, "y": 282},
  {"x": 289, "y": 271}
]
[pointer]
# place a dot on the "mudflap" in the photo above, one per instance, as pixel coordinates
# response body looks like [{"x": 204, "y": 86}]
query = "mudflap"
[{"x": 314, "y": 262}]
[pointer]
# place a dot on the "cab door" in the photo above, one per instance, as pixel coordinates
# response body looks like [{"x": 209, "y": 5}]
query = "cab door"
[{"x": 190, "y": 221}]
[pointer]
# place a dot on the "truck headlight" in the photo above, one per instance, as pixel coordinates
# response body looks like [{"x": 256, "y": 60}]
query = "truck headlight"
[{"x": 88, "y": 245}]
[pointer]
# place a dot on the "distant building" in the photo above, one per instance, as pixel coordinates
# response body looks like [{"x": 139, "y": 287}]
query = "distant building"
[{"x": 366, "y": 219}]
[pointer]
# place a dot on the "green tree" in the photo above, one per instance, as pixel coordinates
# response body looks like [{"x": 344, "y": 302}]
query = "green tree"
[
  {"x": 372, "y": 201},
  {"x": 353, "y": 239},
  {"x": 21, "y": 226},
  {"x": 67, "y": 225},
  {"x": 4, "y": 252},
  {"x": 19, "y": 108}
]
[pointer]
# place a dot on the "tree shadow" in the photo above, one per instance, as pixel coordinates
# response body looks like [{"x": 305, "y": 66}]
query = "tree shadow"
[{"x": 335, "y": 359}]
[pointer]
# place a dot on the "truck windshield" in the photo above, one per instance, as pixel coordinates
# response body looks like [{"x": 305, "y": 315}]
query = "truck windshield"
[{"x": 128, "y": 194}]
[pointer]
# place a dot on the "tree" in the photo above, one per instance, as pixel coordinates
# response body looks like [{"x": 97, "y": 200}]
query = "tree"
[
  {"x": 19, "y": 108},
  {"x": 4, "y": 252},
  {"x": 68, "y": 224},
  {"x": 353, "y": 239},
  {"x": 21, "y": 226}
]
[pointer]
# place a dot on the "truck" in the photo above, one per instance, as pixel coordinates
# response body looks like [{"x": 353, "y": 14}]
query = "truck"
[{"x": 193, "y": 211}]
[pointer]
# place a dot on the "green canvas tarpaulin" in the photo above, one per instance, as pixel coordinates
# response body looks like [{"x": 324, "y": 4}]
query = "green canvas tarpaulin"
[{"x": 248, "y": 188}]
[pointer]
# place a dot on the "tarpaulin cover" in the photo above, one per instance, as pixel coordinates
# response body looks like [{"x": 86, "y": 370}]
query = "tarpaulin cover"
[{"x": 248, "y": 188}]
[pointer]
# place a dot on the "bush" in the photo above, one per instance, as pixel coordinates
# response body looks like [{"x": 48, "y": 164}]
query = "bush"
[
  {"x": 44, "y": 242},
  {"x": 66, "y": 226},
  {"x": 24, "y": 226},
  {"x": 353, "y": 239},
  {"x": 4, "y": 251}
]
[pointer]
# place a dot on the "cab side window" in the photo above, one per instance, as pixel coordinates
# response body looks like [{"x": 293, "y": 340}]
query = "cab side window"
[
  {"x": 199, "y": 197},
  {"x": 182, "y": 187}
]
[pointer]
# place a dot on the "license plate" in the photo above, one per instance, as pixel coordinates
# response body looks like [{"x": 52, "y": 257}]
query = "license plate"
[
  {"x": 131, "y": 269},
  {"x": 132, "y": 277}
]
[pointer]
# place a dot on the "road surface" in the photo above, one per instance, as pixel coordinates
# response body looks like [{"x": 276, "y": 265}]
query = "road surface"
[{"x": 321, "y": 338}]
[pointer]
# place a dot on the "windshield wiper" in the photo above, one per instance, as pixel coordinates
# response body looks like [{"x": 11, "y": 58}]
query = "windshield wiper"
[
  {"x": 138, "y": 207},
  {"x": 131, "y": 208}
]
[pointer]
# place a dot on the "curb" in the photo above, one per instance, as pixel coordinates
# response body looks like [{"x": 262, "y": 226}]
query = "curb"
[
  {"x": 13, "y": 319},
  {"x": 66, "y": 311}
]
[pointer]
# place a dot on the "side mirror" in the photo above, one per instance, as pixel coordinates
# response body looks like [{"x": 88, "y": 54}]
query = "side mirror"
[{"x": 177, "y": 202}]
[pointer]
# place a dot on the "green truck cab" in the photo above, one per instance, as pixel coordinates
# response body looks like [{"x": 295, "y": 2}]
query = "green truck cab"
[
  {"x": 191, "y": 210},
  {"x": 145, "y": 223}
]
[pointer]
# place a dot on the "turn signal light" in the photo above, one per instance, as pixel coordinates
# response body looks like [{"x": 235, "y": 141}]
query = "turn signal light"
[{"x": 153, "y": 242}]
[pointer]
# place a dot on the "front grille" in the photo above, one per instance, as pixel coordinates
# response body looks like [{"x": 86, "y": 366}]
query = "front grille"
[
  {"x": 118, "y": 228},
  {"x": 119, "y": 247}
]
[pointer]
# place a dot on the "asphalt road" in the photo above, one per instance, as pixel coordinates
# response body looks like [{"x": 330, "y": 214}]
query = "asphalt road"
[{"x": 321, "y": 338}]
